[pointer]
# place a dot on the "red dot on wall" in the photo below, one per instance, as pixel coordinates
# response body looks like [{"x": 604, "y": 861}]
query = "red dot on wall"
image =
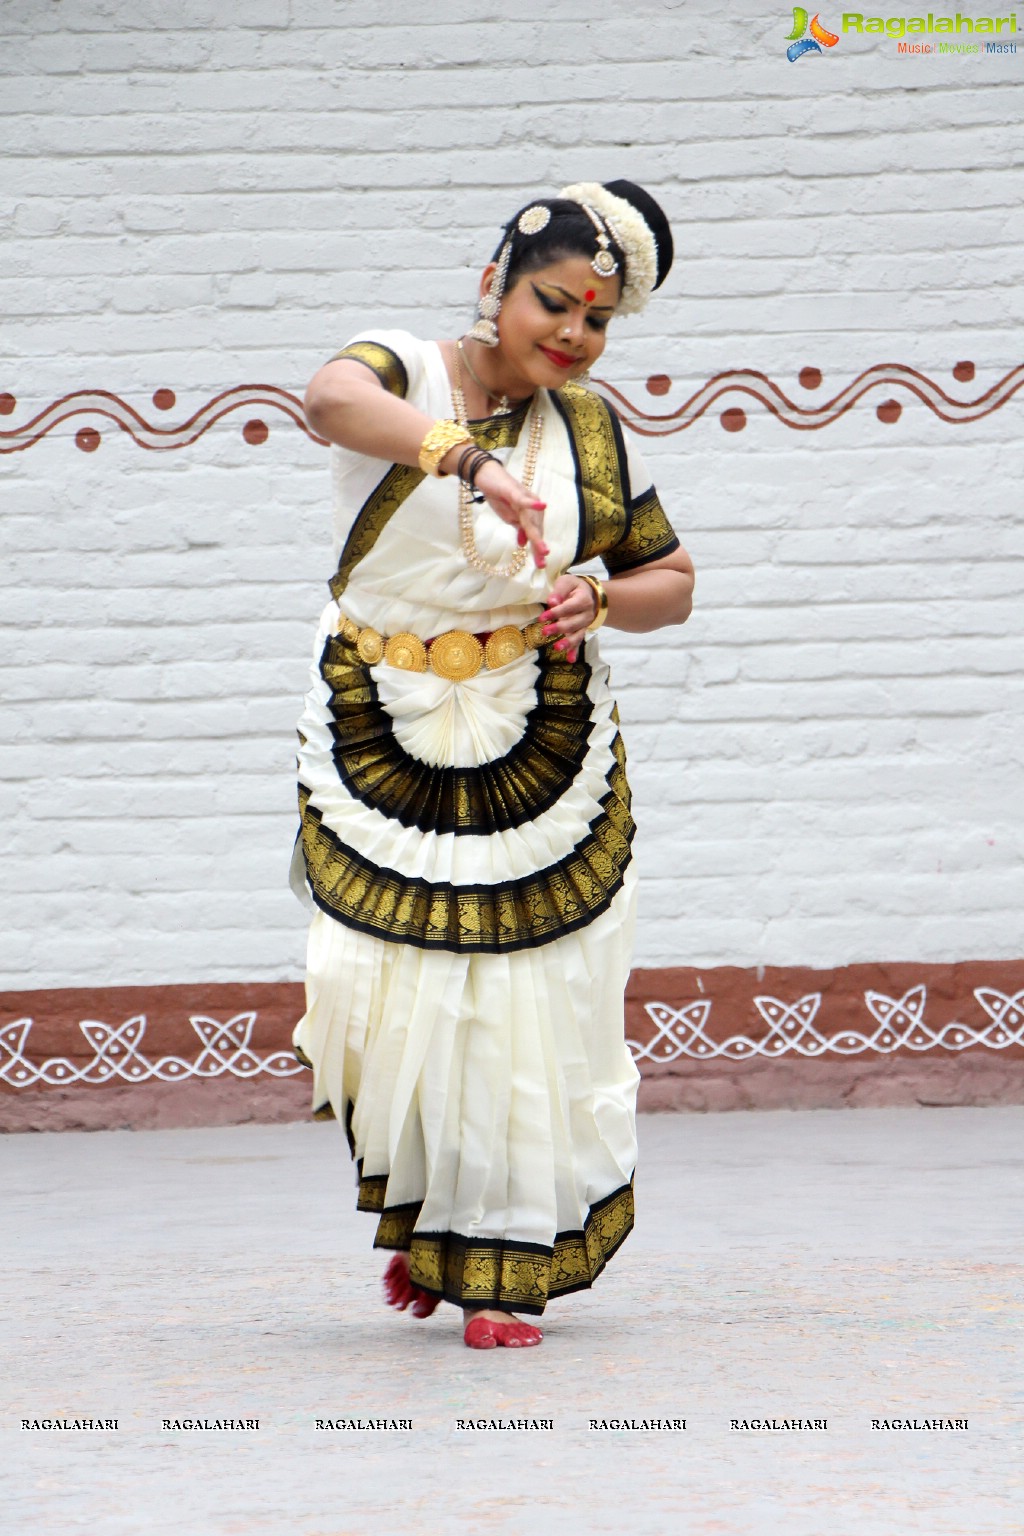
[
  {"x": 734, "y": 420},
  {"x": 964, "y": 372},
  {"x": 88, "y": 439},
  {"x": 165, "y": 399},
  {"x": 7, "y": 404},
  {"x": 810, "y": 378},
  {"x": 889, "y": 411},
  {"x": 255, "y": 431},
  {"x": 659, "y": 384}
]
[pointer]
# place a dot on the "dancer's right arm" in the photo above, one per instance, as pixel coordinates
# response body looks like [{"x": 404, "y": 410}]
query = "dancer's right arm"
[{"x": 347, "y": 404}]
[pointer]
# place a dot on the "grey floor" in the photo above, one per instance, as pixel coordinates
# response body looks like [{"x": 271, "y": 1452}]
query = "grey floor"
[{"x": 839, "y": 1265}]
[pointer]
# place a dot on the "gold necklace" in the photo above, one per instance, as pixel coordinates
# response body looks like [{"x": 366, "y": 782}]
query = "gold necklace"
[{"x": 466, "y": 535}]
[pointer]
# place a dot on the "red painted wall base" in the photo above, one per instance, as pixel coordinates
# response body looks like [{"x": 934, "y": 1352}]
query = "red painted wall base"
[{"x": 722, "y": 1038}]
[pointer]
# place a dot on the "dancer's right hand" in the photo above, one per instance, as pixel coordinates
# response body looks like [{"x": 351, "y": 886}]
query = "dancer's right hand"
[{"x": 516, "y": 505}]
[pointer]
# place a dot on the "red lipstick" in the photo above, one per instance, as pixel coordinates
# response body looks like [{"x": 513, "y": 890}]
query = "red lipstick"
[{"x": 560, "y": 359}]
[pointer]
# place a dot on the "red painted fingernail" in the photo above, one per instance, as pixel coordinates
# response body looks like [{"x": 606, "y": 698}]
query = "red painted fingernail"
[
  {"x": 539, "y": 506},
  {"x": 521, "y": 537}
]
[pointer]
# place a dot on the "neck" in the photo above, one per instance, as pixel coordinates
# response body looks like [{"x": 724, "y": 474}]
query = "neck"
[{"x": 486, "y": 368}]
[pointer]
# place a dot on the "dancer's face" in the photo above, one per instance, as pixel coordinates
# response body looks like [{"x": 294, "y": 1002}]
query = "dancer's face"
[{"x": 552, "y": 324}]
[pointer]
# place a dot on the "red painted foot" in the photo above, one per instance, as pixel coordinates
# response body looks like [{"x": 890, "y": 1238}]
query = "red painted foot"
[{"x": 484, "y": 1333}]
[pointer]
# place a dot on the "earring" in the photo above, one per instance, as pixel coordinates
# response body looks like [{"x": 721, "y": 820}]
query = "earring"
[{"x": 486, "y": 328}]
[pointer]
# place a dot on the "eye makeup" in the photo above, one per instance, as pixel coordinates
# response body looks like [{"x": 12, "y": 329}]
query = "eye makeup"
[{"x": 596, "y": 322}]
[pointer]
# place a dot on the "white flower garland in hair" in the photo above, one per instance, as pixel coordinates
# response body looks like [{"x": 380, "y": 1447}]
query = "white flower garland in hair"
[{"x": 631, "y": 233}]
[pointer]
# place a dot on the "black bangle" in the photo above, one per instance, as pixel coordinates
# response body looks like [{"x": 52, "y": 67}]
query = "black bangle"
[
  {"x": 463, "y": 456},
  {"x": 468, "y": 472},
  {"x": 470, "y": 462},
  {"x": 482, "y": 458},
  {"x": 469, "y": 455}
]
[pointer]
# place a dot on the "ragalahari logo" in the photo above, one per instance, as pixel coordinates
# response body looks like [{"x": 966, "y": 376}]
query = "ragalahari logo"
[{"x": 801, "y": 44}]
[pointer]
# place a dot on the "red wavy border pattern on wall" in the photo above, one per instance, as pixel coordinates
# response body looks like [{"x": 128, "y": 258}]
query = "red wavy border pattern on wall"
[{"x": 104, "y": 405}]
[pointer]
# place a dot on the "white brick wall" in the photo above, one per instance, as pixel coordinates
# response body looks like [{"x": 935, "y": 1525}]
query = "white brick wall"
[{"x": 827, "y": 760}]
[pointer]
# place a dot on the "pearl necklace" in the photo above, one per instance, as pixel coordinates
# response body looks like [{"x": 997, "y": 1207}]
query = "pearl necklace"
[{"x": 466, "y": 535}]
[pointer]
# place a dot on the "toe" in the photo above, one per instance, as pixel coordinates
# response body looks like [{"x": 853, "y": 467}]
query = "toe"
[{"x": 481, "y": 1333}]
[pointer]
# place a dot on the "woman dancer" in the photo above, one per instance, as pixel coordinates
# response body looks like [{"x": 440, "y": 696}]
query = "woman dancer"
[{"x": 465, "y": 815}]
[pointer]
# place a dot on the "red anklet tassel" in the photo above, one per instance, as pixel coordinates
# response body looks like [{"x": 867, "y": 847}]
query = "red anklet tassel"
[{"x": 401, "y": 1292}]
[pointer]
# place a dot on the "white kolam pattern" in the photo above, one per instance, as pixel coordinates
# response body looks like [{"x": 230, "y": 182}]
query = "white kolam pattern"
[
  {"x": 791, "y": 1029},
  {"x": 116, "y": 1055},
  {"x": 226, "y": 1050}
]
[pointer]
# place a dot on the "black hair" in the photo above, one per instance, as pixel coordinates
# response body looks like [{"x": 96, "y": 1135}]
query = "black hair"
[{"x": 570, "y": 232}]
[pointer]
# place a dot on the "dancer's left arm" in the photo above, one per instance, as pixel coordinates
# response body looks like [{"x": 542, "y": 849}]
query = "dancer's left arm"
[{"x": 650, "y": 597}]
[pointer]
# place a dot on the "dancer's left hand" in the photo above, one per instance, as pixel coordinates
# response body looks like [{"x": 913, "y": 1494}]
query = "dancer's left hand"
[{"x": 570, "y": 608}]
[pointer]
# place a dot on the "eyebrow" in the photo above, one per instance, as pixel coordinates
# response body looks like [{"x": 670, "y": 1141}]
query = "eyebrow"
[{"x": 573, "y": 299}]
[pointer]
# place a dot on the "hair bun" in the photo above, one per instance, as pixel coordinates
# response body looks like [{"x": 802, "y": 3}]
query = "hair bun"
[{"x": 654, "y": 217}]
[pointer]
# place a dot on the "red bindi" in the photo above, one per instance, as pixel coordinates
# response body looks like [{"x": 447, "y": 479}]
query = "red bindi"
[{"x": 590, "y": 296}]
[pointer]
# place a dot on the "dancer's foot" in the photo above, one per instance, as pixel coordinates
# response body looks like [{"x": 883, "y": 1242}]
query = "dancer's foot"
[
  {"x": 400, "y": 1290},
  {"x": 488, "y": 1330}
]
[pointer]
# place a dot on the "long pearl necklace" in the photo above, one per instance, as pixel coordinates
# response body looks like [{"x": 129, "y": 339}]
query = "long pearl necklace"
[{"x": 466, "y": 534}]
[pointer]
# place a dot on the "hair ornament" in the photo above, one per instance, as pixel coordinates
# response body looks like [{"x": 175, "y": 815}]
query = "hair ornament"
[
  {"x": 533, "y": 220},
  {"x": 604, "y": 263},
  {"x": 631, "y": 233}
]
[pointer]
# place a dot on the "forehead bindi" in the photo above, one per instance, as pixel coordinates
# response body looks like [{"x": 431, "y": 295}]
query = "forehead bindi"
[
  {"x": 574, "y": 296},
  {"x": 574, "y": 279}
]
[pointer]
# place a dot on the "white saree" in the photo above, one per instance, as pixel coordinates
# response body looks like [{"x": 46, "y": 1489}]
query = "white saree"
[{"x": 466, "y": 848}]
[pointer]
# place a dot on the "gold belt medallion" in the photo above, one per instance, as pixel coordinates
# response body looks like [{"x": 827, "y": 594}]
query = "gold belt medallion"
[
  {"x": 456, "y": 655},
  {"x": 505, "y": 645},
  {"x": 406, "y": 651},
  {"x": 370, "y": 646}
]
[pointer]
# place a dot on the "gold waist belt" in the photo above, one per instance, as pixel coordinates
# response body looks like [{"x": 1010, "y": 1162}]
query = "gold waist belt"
[{"x": 455, "y": 655}]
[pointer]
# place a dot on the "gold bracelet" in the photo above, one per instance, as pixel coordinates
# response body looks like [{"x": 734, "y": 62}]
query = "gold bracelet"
[
  {"x": 601, "y": 597},
  {"x": 442, "y": 437}
]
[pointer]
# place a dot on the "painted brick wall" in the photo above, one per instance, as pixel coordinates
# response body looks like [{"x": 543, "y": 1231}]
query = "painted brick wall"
[{"x": 827, "y": 760}]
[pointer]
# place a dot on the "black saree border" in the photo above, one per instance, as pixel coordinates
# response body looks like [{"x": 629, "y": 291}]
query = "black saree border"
[
  {"x": 399, "y": 482},
  {"x": 498, "y": 919},
  {"x": 478, "y": 1272},
  {"x": 496, "y": 796}
]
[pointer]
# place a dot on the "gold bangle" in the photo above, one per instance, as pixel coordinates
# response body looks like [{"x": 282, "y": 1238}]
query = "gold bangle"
[
  {"x": 601, "y": 597},
  {"x": 442, "y": 437}
]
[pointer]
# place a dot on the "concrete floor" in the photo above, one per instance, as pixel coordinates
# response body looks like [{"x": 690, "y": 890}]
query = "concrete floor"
[{"x": 849, "y": 1266}]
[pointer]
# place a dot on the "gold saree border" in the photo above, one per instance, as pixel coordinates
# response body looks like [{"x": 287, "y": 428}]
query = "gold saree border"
[
  {"x": 519, "y": 914},
  {"x": 505, "y": 1275},
  {"x": 381, "y": 360},
  {"x": 650, "y": 536},
  {"x": 602, "y": 479}
]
